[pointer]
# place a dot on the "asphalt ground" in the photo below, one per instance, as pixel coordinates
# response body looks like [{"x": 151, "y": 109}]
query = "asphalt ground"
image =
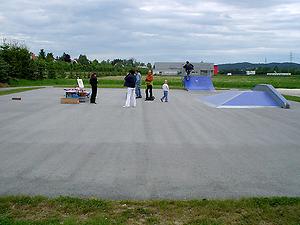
[
  {"x": 286, "y": 91},
  {"x": 182, "y": 149}
]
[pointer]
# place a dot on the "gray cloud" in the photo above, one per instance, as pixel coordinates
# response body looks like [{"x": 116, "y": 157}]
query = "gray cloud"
[{"x": 218, "y": 31}]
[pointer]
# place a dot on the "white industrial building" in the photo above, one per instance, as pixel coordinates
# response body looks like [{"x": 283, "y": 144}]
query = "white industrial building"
[
  {"x": 176, "y": 68},
  {"x": 252, "y": 72}
]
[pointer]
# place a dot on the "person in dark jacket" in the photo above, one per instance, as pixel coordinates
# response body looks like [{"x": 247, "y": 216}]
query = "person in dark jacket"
[
  {"x": 130, "y": 81},
  {"x": 94, "y": 83},
  {"x": 189, "y": 67}
]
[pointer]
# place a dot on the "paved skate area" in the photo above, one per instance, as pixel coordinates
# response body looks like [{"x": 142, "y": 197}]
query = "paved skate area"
[
  {"x": 180, "y": 150},
  {"x": 284, "y": 91}
]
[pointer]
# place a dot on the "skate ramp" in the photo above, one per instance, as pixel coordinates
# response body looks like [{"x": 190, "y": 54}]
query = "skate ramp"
[
  {"x": 261, "y": 96},
  {"x": 198, "y": 83},
  {"x": 281, "y": 101}
]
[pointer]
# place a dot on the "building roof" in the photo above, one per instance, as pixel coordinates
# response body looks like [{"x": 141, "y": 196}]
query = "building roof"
[{"x": 178, "y": 66}]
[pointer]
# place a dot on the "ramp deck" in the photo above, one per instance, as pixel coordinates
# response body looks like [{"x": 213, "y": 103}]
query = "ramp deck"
[
  {"x": 198, "y": 83},
  {"x": 262, "y": 95}
]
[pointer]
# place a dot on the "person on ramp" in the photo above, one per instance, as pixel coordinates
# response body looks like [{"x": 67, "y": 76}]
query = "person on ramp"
[
  {"x": 189, "y": 67},
  {"x": 94, "y": 83}
]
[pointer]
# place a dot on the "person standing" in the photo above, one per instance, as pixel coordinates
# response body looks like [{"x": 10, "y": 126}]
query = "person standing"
[
  {"x": 149, "y": 83},
  {"x": 165, "y": 88},
  {"x": 94, "y": 83},
  {"x": 138, "y": 82},
  {"x": 130, "y": 81}
]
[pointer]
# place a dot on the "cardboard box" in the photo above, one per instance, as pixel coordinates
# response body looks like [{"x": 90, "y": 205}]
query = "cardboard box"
[{"x": 69, "y": 101}]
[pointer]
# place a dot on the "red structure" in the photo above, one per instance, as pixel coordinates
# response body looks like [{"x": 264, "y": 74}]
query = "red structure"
[{"x": 216, "y": 69}]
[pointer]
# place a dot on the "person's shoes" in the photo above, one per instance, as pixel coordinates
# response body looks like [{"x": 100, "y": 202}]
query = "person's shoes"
[
  {"x": 124, "y": 106},
  {"x": 161, "y": 100},
  {"x": 166, "y": 101}
]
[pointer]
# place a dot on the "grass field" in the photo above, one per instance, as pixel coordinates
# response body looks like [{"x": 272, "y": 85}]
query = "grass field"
[
  {"x": 17, "y": 90},
  {"x": 67, "y": 210},
  {"x": 292, "y": 98},
  {"x": 242, "y": 82}
]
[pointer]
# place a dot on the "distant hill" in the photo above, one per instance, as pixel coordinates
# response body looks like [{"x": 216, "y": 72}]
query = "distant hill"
[{"x": 252, "y": 66}]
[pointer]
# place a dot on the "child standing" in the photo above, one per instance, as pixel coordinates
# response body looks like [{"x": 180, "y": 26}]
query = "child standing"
[{"x": 165, "y": 88}]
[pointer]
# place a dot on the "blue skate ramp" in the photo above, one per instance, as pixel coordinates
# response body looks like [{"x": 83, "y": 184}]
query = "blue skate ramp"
[
  {"x": 260, "y": 96},
  {"x": 198, "y": 83}
]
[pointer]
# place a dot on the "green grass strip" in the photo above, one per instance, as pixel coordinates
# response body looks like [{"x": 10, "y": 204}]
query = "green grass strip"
[
  {"x": 68, "y": 210},
  {"x": 292, "y": 98},
  {"x": 17, "y": 90},
  {"x": 175, "y": 82}
]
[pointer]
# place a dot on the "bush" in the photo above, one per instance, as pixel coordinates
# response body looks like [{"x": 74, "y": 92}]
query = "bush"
[
  {"x": 18, "y": 59},
  {"x": 4, "y": 71}
]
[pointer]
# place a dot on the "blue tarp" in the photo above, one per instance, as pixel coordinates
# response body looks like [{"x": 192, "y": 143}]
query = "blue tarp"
[{"x": 198, "y": 83}]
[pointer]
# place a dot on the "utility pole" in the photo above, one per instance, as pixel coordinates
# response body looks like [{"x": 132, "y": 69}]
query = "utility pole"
[{"x": 291, "y": 57}]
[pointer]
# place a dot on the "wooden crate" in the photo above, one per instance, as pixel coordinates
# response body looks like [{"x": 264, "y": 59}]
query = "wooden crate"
[{"x": 69, "y": 101}]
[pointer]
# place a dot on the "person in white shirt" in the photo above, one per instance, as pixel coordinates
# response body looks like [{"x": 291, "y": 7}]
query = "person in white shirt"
[{"x": 165, "y": 88}]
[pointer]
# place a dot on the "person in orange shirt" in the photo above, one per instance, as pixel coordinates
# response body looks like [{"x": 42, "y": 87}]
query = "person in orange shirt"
[{"x": 149, "y": 83}]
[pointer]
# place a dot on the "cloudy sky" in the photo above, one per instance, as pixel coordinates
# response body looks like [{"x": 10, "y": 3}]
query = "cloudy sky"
[{"x": 218, "y": 31}]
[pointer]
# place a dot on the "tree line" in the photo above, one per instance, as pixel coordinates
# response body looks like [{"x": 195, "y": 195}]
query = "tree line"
[
  {"x": 260, "y": 69},
  {"x": 17, "y": 62}
]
